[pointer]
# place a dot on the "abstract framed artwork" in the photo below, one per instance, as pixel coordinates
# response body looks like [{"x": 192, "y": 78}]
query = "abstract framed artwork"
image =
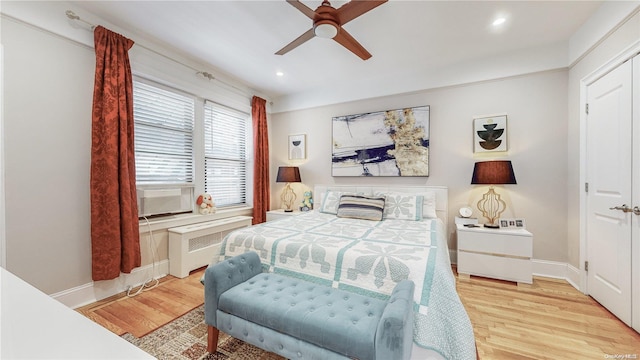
[
  {"x": 490, "y": 134},
  {"x": 297, "y": 147},
  {"x": 382, "y": 143}
]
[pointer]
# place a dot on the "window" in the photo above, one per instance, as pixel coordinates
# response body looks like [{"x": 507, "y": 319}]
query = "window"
[
  {"x": 225, "y": 153},
  {"x": 164, "y": 122},
  {"x": 169, "y": 151}
]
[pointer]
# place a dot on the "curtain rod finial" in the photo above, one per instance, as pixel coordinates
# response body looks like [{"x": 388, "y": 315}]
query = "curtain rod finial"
[
  {"x": 206, "y": 75},
  {"x": 71, "y": 15}
]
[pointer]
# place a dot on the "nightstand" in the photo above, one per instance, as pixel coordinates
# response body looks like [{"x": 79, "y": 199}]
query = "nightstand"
[
  {"x": 495, "y": 253},
  {"x": 280, "y": 214}
]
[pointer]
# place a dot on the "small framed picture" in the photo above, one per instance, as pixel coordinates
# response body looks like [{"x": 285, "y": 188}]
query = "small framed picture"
[
  {"x": 507, "y": 223},
  {"x": 490, "y": 133},
  {"x": 297, "y": 147}
]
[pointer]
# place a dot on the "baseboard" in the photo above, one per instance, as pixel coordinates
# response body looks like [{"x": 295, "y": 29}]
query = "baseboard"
[
  {"x": 548, "y": 269},
  {"x": 95, "y": 291},
  {"x": 556, "y": 270},
  {"x": 574, "y": 276}
]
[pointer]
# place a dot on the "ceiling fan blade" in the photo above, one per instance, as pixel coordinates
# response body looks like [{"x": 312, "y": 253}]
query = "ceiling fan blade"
[
  {"x": 297, "y": 42},
  {"x": 355, "y": 8},
  {"x": 345, "y": 39},
  {"x": 303, "y": 8}
]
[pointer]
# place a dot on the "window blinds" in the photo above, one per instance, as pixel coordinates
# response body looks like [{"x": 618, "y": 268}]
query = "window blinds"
[
  {"x": 163, "y": 135},
  {"x": 225, "y": 154}
]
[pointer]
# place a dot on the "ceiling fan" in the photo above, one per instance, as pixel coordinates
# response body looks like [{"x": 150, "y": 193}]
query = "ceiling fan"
[{"x": 328, "y": 21}]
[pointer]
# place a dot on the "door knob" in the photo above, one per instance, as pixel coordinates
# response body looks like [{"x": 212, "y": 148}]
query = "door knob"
[
  {"x": 636, "y": 210},
  {"x": 624, "y": 208}
]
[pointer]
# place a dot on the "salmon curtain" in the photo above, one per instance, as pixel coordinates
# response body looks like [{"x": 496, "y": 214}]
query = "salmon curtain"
[
  {"x": 261, "y": 186},
  {"x": 115, "y": 238}
]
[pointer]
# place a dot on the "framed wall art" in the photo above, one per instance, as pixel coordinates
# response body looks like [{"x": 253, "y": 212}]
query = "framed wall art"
[
  {"x": 297, "y": 147},
  {"x": 382, "y": 143},
  {"x": 490, "y": 134}
]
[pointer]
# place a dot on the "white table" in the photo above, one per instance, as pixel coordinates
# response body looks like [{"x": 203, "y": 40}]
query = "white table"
[
  {"x": 35, "y": 326},
  {"x": 495, "y": 253}
]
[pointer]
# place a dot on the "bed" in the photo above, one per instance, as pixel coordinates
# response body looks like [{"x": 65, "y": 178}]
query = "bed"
[{"x": 370, "y": 257}]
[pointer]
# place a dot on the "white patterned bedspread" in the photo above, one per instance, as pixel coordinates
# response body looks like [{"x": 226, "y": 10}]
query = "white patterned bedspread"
[{"x": 369, "y": 257}]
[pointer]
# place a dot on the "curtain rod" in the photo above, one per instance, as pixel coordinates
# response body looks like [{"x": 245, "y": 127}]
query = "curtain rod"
[{"x": 71, "y": 15}]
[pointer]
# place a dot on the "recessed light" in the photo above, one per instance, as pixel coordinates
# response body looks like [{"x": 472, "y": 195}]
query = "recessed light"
[
  {"x": 499, "y": 21},
  {"x": 279, "y": 74}
]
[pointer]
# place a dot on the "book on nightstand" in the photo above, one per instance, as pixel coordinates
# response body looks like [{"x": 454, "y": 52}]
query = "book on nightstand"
[{"x": 466, "y": 221}]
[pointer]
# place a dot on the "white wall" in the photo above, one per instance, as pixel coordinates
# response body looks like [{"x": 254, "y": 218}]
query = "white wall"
[
  {"x": 48, "y": 94},
  {"x": 536, "y": 106},
  {"x": 3, "y": 243}
]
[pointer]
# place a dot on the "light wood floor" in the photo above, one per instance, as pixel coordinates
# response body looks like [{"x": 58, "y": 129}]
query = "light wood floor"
[
  {"x": 547, "y": 320},
  {"x": 143, "y": 313}
]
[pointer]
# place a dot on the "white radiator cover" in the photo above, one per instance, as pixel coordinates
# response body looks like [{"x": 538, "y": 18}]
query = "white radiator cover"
[{"x": 194, "y": 246}]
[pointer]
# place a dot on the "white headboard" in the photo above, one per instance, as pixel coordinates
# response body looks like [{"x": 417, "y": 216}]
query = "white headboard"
[{"x": 442, "y": 195}]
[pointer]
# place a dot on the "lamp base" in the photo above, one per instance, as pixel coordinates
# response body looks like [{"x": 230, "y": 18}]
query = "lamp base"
[
  {"x": 491, "y": 206},
  {"x": 288, "y": 210}
]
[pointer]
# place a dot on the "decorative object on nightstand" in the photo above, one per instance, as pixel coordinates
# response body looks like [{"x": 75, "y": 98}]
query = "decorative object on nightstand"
[
  {"x": 497, "y": 172},
  {"x": 288, "y": 174},
  {"x": 512, "y": 223},
  {"x": 465, "y": 216},
  {"x": 307, "y": 201}
]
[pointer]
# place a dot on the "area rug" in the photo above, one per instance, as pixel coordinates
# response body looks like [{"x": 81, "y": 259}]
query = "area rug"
[{"x": 185, "y": 338}]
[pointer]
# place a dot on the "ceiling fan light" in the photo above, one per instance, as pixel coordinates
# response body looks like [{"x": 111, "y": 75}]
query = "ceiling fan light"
[{"x": 326, "y": 31}]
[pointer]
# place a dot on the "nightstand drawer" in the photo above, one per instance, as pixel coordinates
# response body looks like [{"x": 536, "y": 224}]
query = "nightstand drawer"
[
  {"x": 495, "y": 244},
  {"x": 504, "y": 268}
]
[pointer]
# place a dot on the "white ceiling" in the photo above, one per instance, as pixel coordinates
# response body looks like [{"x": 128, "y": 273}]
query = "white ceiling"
[{"x": 415, "y": 44}]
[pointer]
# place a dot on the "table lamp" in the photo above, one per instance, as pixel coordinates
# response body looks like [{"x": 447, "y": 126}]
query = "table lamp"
[
  {"x": 498, "y": 172},
  {"x": 288, "y": 174}
]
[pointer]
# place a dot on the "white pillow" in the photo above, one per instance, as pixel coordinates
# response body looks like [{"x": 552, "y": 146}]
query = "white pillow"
[
  {"x": 429, "y": 205},
  {"x": 331, "y": 201},
  {"x": 425, "y": 205},
  {"x": 403, "y": 206}
]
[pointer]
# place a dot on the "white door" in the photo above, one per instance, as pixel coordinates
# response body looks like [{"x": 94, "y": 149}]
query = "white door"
[
  {"x": 635, "y": 223},
  {"x": 609, "y": 162}
]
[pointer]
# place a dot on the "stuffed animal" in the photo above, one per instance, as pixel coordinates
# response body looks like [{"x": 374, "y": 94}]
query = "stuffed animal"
[
  {"x": 307, "y": 202},
  {"x": 205, "y": 204}
]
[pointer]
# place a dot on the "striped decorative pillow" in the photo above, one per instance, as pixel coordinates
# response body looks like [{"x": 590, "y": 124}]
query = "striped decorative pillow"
[{"x": 361, "y": 207}]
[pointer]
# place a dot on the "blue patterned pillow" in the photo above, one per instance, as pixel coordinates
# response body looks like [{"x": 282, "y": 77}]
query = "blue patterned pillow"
[{"x": 361, "y": 207}]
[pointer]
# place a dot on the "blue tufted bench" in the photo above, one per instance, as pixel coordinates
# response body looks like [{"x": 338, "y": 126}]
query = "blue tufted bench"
[{"x": 302, "y": 320}]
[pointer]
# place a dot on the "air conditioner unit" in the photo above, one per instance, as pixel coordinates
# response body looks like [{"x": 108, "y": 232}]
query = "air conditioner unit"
[{"x": 164, "y": 200}]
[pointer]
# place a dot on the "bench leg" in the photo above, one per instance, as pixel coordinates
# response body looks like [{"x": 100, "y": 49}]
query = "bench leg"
[{"x": 212, "y": 339}]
